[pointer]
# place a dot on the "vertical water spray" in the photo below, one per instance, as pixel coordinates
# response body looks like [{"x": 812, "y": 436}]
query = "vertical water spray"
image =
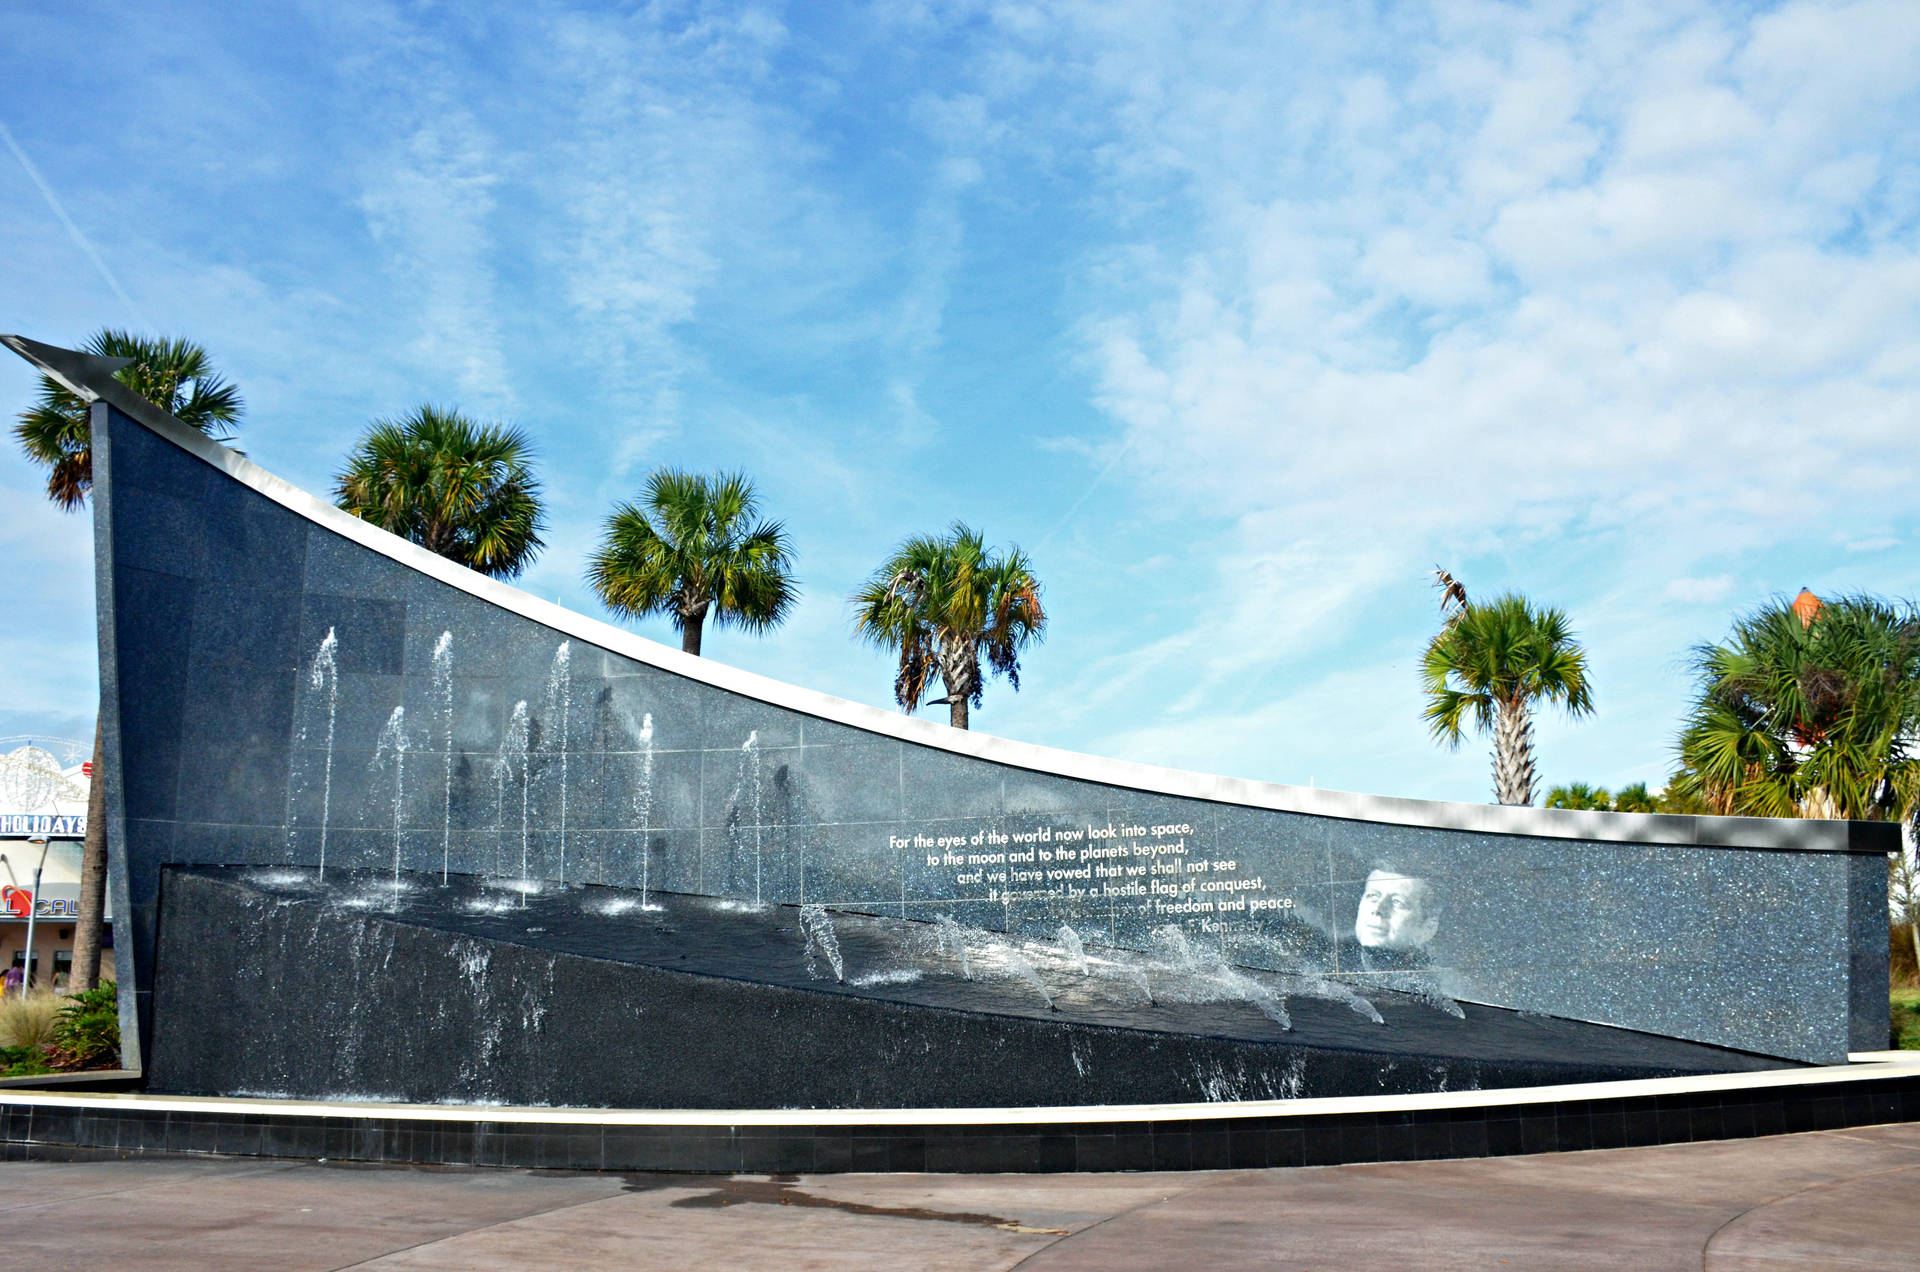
[
  {"x": 393, "y": 745},
  {"x": 745, "y": 802},
  {"x": 501, "y": 769},
  {"x": 326, "y": 673},
  {"x": 515, "y": 744},
  {"x": 560, "y": 693},
  {"x": 443, "y": 694},
  {"x": 296, "y": 746},
  {"x": 645, "y": 800},
  {"x": 303, "y": 709},
  {"x": 753, "y": 749}
]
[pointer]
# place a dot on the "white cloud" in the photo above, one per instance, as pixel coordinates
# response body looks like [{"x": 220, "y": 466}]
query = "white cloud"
[
  {"x": 1711, "y": 590},
  {"x": 1598, "y": 303},
  {"x": 1675, "y": 311},
  {"x": 428, "y": 200}
]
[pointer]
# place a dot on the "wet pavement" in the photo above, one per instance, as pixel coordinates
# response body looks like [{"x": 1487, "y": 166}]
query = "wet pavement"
[{"x": 1831, "y": 1199}]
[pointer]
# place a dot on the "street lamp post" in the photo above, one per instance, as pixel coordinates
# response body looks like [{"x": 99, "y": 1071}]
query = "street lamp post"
[{"x": 26, "y": 978}]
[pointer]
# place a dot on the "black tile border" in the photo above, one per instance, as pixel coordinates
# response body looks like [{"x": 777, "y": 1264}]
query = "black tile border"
[{"x": 43, "y": 1131}]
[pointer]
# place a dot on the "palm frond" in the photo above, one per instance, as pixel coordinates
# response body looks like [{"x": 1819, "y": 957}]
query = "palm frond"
[
  {"x": 944, "y": 603},
  {"x": 453, "y": 485},
  {"x": 693, "y": 547},
  {"x": 1453, "y": 595},
  {"x": 175, "y": 375},
  {"x": 1813, "y": 719}
]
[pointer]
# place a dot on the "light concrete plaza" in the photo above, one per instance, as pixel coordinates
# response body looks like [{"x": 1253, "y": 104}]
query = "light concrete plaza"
[{"x": 1831, "y": 1199}]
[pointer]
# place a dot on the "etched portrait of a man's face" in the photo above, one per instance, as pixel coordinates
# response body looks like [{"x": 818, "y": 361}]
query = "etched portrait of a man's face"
[{"x": 1397, "y": 912}]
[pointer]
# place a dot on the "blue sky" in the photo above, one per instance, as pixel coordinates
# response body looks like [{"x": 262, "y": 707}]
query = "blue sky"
[{"x": 1237, "y": 318}]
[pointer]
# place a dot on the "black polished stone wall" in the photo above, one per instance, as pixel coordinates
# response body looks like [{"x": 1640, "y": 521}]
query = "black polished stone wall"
[
  {"x": 225, "y": 748},
  {"x": 581, "y": 999}
]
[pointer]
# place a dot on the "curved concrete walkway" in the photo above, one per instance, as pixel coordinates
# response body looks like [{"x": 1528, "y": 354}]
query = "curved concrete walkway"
[{"x": 1832, "y": 1199}]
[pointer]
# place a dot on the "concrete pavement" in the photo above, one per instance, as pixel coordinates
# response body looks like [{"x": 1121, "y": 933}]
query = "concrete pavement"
[{"x": 1832, "y": 1199}]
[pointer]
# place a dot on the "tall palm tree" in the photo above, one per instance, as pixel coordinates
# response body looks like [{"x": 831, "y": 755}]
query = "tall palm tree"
[
  {"x": 178, "y": 377},
  {"x": 695, "y": 547},
  {"x": 175, "y": 375},
  {"x": 1488, "y": 667},
  {"x": 943, "y": 601},
  {"x": 1808, "y": 711},
  {"x": 462, "y": 489}
]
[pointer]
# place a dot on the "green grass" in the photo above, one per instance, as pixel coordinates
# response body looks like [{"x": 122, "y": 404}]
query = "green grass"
[
  {"x": 1906, "y": 1018},
  {"x": 28, "y": 1021}
]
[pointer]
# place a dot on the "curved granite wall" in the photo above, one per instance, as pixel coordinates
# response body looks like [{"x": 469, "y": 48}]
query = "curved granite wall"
[{"x": 283, "y": 683}]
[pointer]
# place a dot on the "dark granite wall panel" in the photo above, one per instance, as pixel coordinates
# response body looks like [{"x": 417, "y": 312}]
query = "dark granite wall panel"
[
  {"x": 231, "y": 751},
  {"x": 1869, "y": 970},
  {"x": 293, "y": 992}
]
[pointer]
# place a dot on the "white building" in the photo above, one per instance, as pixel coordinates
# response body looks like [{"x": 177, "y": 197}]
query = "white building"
[{"x": 43, "y": 821}]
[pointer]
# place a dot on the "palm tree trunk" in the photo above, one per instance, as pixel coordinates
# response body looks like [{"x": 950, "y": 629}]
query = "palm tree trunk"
[
  {"x": 959, "y": 673},
  {"x": 93, "y": 876},
  {"x": 690, "y": 633},
  {"x": 1513, "y": 771}
]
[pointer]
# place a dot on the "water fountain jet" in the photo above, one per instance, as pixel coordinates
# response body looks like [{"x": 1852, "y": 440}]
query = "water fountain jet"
[
  {"x": 816, "y": 928},
  {"x": 393, "y": 744},
  {"x": 443, "y": 694},
  {"x": 644, "y": 797},
  {"x": 515, "y": 743},
  {"x": 326, "y": 671},
  {"x": 560, "y": 690},
  {"x": 1075, "y": 949}
]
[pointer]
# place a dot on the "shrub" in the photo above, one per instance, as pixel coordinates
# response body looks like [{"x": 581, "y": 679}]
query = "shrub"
[
  {"x": 23, "y": 1062},
  {"x": 87, "y": 1030},
  {"x": 1905, "y": 1012},
  {"x": 27, "y": 1021}
]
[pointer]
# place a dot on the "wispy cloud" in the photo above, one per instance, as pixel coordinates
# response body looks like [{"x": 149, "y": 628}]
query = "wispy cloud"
[
  {"x": 73, "y": 231},
  {"x": 1706, "y": 591},
  {"x": 428, "y": 199},
  {"x": 1630, "y": 276}
]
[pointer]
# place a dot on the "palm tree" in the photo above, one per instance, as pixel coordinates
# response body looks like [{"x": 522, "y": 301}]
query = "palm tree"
[
  {"x": 1635, "y": 798},
  {"x": 456, "y": 487},
  {"x": 1808, "y": 710},
  {"x": 175, "y": 375},
  {"x": 694, "y": 547},
  {"x": 1681, "y": 797},
  {"x": 944, "y": 601},
  {"x": 1579, "y": 795},
  {"x": 1488, "y": 666},
  {"x": 178, "y": 377}
]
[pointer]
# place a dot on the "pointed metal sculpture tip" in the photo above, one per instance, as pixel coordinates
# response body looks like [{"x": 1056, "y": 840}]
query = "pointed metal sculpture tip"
[{"x": 86, "y": 375}]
